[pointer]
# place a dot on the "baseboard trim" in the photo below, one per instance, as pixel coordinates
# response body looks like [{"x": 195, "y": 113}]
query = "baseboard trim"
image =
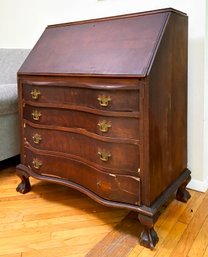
[{"x": 198, "y": 185}]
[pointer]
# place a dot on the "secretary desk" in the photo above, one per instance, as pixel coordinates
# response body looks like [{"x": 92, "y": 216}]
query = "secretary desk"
[{"x": 103, "y": 110}]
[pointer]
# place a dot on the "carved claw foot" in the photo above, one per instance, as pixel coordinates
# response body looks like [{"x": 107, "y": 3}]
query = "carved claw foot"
[
  {"x": 182, "y": 194},
  {"x": 148, "y": 238},
  {"x": 24, "y": 187}
]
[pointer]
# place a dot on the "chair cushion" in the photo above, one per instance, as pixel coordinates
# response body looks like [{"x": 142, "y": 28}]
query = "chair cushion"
[{"x": 8, "y": 99}]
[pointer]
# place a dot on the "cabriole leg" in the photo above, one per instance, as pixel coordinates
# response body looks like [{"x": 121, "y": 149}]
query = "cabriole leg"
[
  {"x": 148, "y": 237},
  {"x": 24, "y": 187}
]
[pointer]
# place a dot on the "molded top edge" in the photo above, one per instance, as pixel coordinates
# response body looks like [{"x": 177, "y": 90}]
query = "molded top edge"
[{"x": 164, "y": 10}]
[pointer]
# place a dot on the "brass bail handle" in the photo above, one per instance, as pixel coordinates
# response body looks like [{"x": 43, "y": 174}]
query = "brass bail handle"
[
  {"x": 37, "y": 163},
  {"x": 36, "y": 115},
  {"x": 37, "y": 138},
  {"x": 104, "y": 125},
  {"x": 104, "y": 100},
  {"x": 35, "y": 93},
  {"x": 104, "y": 155}
]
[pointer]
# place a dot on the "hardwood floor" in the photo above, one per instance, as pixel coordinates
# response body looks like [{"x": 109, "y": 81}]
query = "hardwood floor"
[{"x": 56, "y": 221}]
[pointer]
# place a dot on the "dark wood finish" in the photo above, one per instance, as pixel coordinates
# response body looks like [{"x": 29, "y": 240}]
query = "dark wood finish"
[
  {"x": 70, "y": 120},
  {"x": 70, "y": 95},
  {"x": 148, "y": 236},
  {"x": 98, "y": 46},
  {"x": 182, "y": 194},
  {"x": 103, "y": 109},
  {"x": 71, "y": 144},
  {"x": 24, "y": 187},
  {"x": 120, "y": 188},
  {"x": 168, "y": 150}
]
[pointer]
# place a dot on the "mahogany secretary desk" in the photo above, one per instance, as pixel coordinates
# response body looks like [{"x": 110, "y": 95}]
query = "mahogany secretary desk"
[{"x": 103, "y": 109}]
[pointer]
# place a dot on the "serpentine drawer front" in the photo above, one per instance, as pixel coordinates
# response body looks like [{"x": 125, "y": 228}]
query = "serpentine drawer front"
[
  {"x": 111, "y": 155},
  {"x": 120, "y": 126},
  {"x": 111, "y": 186},
  {"x": 106, "y": 113},
  {"x": 109, "y": 100}
]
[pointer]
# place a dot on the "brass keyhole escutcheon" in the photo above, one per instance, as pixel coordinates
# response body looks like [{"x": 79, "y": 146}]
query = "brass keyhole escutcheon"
[
  {"x": 37, "y": 138},
  {"x": 35, "y": 93},
  {"x": 104, "y": 155},
  {"x": 104, "y": 125},
  {"x": 37, "y": 163},
  {"x": 36, "y": 115},
  {"x": 104, "y": 100}
]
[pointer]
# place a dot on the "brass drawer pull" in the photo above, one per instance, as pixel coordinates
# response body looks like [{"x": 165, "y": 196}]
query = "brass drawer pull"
[
  {"x": 37, "y": 163},
  {"x": 104, "y": 155},
  {"x": 35, "y": 93},
  {"x": 37, "y": 138},
  {"x": 36, "y": 115},
  {"x": 104, "y": 125},
  {"x": 104, "y": 100}
]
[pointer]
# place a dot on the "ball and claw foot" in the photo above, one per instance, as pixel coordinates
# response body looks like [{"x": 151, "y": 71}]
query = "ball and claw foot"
[
  {"x": 24, "y": 187},
  {"x": 148, "y": 238}
]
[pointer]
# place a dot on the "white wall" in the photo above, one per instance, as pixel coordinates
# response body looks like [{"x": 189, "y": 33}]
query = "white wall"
[
  {"x": 206, "y": 101},
  {"x": 23, "y": 21}
]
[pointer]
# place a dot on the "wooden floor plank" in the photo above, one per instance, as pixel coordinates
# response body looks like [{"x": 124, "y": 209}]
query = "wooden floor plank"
[
  {"x": 192, "y": 207},
  {"x": 200, "y": 244},
  {"x": 206, "y": 252},
  {"x": 72, "y": 247},
  {"x": 120, "y": 241},
  {"x": 171, "y": 240},
  {"x": 190, "y": 234},
  {"x": 11, "y": 255},
  {"x": 135, "y": 251}
]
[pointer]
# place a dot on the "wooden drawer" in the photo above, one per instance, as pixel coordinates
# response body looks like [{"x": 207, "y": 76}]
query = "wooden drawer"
[
  {"x": 109, "y": 186},
  {"x": 112, "y": 156},
  {"x": 114, "y": 100},
  {"x": 118, "y": 127}
]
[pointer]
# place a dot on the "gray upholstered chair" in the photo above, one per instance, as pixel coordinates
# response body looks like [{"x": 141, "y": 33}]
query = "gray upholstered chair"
[{"x": 10, "y": 62}]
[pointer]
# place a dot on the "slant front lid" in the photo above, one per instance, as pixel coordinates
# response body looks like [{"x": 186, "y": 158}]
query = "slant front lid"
[{"x": 116, "y": 46}]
